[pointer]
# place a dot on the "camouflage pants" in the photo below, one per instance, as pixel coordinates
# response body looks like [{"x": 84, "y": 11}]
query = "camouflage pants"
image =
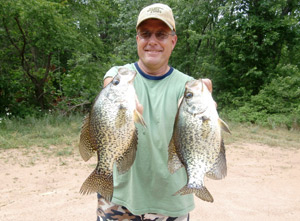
[{"x": 109, "y": 211}]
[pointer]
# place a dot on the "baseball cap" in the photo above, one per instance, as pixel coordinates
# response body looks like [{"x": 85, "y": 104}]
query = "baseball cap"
[{"x": 157, "y": 11}]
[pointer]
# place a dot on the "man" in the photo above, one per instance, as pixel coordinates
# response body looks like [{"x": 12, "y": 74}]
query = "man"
[{"x": 146, "y": 191}]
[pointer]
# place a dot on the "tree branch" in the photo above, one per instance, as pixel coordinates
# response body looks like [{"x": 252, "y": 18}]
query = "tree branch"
[
  {"x": 47, "y": 66},
  {"x": 75, "y": 106},
  {"x": 288, "y": 8},
  {"x": 23, "y": 35},
  {"x": 9, "y": 37}
]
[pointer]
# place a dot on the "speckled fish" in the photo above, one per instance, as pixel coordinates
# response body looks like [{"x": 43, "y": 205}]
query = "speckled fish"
[
  {"x": 110, "y": 130},
  {"x": 196, "y": 143}
]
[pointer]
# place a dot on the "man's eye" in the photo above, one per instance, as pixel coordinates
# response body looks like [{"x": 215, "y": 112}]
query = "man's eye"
[
  {"x": 161, "y": 35},
  {"x": 145, "y": 34}
]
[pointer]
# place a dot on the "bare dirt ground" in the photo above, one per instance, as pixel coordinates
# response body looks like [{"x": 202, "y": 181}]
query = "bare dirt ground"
[{"x": 263, "y": 183}]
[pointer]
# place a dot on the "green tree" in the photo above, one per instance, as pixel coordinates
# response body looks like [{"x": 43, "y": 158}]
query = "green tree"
[
  {"x": 53, "y": 51},
  {"x": 195, "y": 22},
  {"x": 250, "y": 38},
  {"x": 36, "y": 31}
]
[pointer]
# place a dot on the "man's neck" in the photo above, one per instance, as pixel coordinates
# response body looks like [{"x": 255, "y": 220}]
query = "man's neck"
[{"x": 153, "y": 71}]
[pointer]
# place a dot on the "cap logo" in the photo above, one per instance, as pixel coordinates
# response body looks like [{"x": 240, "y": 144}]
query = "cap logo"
[{"x": 155, "y": 10}]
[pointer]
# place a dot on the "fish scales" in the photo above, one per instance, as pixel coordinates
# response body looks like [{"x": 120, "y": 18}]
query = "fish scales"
[
  {"x": 110, "y": 131},
  {"x": 196, "y": 143},
  {"x": 111, "y": 141}
]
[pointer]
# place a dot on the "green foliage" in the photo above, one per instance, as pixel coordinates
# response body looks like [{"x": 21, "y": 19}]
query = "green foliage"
[
  {"x": 277, "y": 104},
  {"x": 48, "y": 43},
  {"x": 195, "y": 21},
  {"x": 54, "y": 54},
  {"x": 250, "y": 38}
]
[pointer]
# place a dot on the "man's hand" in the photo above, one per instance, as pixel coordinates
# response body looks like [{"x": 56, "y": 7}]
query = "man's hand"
[
  {"x": 107, "y": 81},
  {"x": 208, "y": 84}
]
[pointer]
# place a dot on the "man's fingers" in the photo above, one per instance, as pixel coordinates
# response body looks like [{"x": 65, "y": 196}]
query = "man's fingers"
[
  {"x": 107, "y": 81},
  {"x": 208, "y": 84}
]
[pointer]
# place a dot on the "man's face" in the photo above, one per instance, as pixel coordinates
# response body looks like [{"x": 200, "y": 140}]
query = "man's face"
[{"x": 155, "y": 53}]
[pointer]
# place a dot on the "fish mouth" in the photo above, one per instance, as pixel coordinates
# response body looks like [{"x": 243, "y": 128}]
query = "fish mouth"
[{"x": 195, "y": 111}]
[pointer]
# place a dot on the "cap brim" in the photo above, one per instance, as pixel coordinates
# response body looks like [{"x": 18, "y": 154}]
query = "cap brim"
[{"x": 154, "y": 17}]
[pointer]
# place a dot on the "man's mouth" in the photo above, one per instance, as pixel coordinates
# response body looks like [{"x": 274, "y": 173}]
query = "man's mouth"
[{"x": 153, "y": 51}]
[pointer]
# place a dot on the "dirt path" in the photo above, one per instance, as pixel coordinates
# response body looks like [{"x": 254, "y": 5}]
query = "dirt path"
[{"x": 262, "y": 184}]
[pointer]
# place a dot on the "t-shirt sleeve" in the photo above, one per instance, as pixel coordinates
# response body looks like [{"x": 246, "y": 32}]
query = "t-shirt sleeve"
[
  {"x": 114, "y": 70},
  {"x": 111, "y": 72},
  {"x": 185, "y": 79}
]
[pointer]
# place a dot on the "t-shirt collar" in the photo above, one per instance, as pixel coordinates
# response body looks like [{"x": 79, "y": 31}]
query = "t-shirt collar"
[{"x": 150, "y": 77}]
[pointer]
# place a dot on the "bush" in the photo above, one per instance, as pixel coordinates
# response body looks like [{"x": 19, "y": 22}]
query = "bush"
[{"x": 277, "y": 104}]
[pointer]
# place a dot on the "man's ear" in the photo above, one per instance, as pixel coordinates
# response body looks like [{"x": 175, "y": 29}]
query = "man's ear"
[{"x": 174, "y": 41}]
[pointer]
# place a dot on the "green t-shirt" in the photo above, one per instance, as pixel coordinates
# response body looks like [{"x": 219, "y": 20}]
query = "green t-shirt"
[{"x": 148, "y": 186}]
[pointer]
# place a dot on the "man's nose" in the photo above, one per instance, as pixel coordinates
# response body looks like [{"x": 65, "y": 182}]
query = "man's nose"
[{"x": 153, "y": 38}]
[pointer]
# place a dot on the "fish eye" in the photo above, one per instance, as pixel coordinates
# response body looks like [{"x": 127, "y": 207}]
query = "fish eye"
[
  {"x": 115, "y": 81},
  {"x": 188, "y": 95}
]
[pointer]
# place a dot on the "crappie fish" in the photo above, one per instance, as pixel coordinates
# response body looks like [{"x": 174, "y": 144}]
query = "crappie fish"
[
  {"x": 110, "y": 130},
  {"x": 196, "y": 142}
]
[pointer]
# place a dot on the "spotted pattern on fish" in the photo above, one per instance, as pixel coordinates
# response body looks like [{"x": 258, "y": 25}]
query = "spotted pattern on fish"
[
  {"x": 196, "y": 141},
  {"x": 110, "y": 131}
]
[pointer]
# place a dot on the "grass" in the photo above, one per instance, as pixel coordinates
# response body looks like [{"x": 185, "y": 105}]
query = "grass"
[
  {"x": 249, "y": 133},
  {"x": 63, "y": 131},
  {"x": 50, "y": 130}
]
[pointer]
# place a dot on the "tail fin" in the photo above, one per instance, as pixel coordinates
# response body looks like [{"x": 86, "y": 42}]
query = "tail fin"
[
  {"x": 201, "y": 192},
  {"x": 100, "y": 183}
]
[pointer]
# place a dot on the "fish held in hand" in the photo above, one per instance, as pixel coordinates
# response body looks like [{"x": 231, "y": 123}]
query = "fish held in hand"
[
  {"x": 110, "y": 130},
  {"x": 196, "y": 142}
]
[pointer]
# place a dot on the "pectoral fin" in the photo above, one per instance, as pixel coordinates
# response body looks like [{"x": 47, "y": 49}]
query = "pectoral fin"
[
  {"x": 121, "y": 118},
  {"x": 138, "y": 118},
  {"x": 223, "y": 125}
]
